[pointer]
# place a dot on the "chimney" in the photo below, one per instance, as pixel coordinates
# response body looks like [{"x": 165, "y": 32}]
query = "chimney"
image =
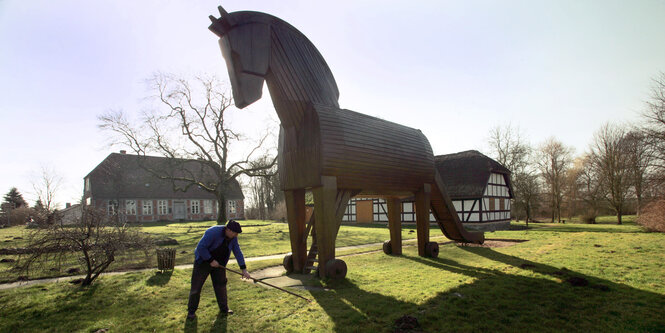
[
  {"x": 67, "y": 205},
  {"x": 123, "y": 152}
]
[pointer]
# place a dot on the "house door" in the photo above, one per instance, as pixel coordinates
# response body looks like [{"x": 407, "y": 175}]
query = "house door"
[{"x": 179, "y": 211}]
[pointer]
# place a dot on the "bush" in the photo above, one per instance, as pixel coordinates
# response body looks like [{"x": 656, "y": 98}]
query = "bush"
[
  {"x": 589, "y": 218},
  {"x": 96, "y": 238},
  {"x": 280, "y": 211},
  {"x": 17, "y": 216},
  {"x": 653, "y": 216}
]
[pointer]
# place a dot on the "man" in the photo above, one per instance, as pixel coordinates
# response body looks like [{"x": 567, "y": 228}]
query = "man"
[{"x": 211, "y": 256}]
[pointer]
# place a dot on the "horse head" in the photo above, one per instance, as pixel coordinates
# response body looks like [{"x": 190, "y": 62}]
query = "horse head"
[{"x": 247, "y": 63}]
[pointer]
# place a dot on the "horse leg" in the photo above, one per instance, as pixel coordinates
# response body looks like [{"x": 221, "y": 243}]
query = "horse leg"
[
  {"x": 395, "y": 226},
  {"x": 325, "y": 222},
  {"x": 422, "y": 218},
  {"x": 295, "y": 211}
]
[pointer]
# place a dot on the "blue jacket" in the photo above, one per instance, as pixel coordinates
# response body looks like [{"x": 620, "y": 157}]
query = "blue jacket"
[{"x": 212, "y": 239}]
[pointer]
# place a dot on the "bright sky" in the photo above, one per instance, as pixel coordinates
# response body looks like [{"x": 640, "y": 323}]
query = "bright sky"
[{"x": 453, "y": 69}]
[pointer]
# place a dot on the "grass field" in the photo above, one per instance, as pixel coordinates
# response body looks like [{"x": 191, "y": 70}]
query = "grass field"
[
  {"x": 530, "y": 286},
  {"x": 259, "y": 238}
]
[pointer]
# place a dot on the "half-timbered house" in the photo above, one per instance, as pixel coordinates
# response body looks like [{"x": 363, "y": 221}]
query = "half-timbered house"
[{"x": 479, "y": 187}]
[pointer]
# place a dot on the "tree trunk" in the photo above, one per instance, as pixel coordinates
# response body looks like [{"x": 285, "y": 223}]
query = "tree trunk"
[
  {"x": 619, "y": 213},
  {"x": 221, "y": 209}
]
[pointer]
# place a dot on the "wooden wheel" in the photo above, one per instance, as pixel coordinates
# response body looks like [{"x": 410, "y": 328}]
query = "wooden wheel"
[
  {"x": 288, "y": 263},
  {"x": 336, "y": 269},
  {"x": 387, "y": 247},
  {"x": 432, "y": 249}
]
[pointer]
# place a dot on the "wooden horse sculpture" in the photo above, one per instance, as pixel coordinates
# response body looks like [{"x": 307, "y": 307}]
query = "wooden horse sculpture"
[{"x": 335, "y": 153}]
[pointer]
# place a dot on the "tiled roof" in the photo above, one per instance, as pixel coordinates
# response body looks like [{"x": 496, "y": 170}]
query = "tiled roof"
[
  {"x": 466, "y": 173},
  {"x": 126, "y": 176}
]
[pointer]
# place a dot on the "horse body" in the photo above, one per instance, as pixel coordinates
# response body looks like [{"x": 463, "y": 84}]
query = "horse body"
[{"x": 336, "y": 153}]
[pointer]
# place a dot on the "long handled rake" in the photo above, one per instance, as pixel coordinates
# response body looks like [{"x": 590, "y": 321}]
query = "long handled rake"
[{"x": 271, "y": 285}]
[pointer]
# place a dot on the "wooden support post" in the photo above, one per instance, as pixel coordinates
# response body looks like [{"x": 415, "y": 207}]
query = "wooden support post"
[
  {"x": 395, "y": 224},
  {"x": 325, "y": 220},
  {"x": 295, "y": 211},
  {"x": 422, "y": 217}
]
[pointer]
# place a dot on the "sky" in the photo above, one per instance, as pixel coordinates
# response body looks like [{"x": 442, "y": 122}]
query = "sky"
[{"x": 453, "y": 69}]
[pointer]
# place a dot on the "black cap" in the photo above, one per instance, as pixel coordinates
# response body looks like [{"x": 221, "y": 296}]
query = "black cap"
[{"x": 234, "y": 226}]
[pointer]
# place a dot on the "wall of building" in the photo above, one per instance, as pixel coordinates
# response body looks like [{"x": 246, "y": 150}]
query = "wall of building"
[{"x": 150, "y": 210}]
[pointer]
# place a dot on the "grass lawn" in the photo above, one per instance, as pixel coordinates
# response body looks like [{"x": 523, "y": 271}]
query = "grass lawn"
[
  {"x": 259, "y": 238},
  {"x": 524, "y": 287}
]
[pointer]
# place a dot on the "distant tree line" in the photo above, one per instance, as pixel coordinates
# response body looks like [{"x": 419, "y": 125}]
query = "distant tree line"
[{"x": 621, "y": 172}]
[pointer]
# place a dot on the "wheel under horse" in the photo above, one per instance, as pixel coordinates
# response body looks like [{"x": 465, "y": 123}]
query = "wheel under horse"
[{"x": 335, "y": 153}]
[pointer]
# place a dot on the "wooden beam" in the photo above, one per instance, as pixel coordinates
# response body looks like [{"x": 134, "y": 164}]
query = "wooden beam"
[
  {"x": 422, "y": 217},
  {"x": 395, "y": 224},
  {"x": 325, "y": 220},
  {"x": 295, "y": 211}
]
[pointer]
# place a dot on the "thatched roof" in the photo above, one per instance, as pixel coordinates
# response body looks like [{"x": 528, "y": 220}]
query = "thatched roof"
[
  {"x": 122, "y": 175},
  {"x": 466, "y": 173}
]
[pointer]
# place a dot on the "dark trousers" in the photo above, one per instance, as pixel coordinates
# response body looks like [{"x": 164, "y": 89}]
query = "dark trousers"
[{"x": 199, "y": 275}]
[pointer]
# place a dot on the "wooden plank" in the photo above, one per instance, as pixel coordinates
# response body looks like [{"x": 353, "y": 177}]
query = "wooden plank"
[
  {"x": 395, "y": 224},
  {"x": 422, "y": 217},
  {"x": 324, "y": 220},
  {"x": 295, "y": 211}
]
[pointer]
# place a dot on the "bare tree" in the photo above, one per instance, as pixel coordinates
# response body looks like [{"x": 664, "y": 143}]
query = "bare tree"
[
  {"x": 198, "y": 111},
  {"x": 96, "y": 238},
  {"x": 640, "y": 157},
  {"x": 611, "y": 160},
  {"x": 573, "y": 187},
  {"x": 654, "y": 121},
  {"x": 591, "y": 191},
  {"x": 46, "y": 188},
  {"x": 510, "y": 149},
  {"x": 527, "y": 188},
  {"x": 266, "y": 192},
  {"x": 554, "y": 161}
]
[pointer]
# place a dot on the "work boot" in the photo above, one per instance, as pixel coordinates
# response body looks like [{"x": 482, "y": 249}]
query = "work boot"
[{"x": 191, "y": 315}]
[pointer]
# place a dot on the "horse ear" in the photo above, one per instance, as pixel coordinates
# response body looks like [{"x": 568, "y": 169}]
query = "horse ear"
[
  {"x": 224, "y": 15},
  {"x": 222, "y": 25}
]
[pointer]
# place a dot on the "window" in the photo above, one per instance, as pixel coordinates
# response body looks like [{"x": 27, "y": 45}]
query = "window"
[
  {"x": 408, "y": 213},
  {"x": 491, "y": 206},
  {"x": 207, "y": 206},
  {"x": 130, "y": 207},
  {"x": 162, "y": 206},
  {"x": 147, "y": 207},
  {"x": 380, "y": 210},
  {"x": 112, "y": 207},
  {"x": 350, "y": 212},
  {"x": 87, "y": 185},
  {"x": 232, "y": 206},
  {"x": 502, "y": 204},
  {"x": 195, "y": 207}
]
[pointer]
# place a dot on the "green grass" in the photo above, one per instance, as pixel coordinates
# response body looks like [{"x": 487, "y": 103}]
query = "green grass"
[
  {"x": 465, "y": 289},
  {"x": 259, "y": 238}
]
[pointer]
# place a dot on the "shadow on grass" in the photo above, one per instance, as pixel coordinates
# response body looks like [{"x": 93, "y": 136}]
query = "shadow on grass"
[
  {"x": 191, "y": 326},
  {"x": 160, "y": 278},
  {"x": 220, "y": 324},
  {"x": 550, "y": 299}
]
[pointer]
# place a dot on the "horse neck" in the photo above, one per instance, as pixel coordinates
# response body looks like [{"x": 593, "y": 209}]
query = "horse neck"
[{"x": 298, "y": 78}]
